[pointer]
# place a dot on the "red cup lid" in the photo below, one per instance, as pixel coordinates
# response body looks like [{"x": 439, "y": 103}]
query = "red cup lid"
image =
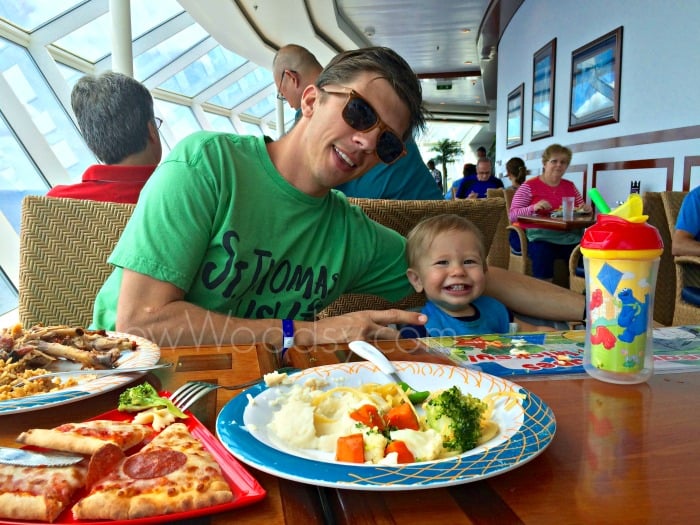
[{"x": 615, "y": 233}]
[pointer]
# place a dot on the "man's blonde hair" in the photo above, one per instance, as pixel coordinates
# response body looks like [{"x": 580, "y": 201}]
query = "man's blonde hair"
[{"x": 421, "y": 236}]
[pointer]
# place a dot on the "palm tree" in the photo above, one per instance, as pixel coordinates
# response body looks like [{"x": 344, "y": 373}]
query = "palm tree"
[{"x": 447, "y": 150}]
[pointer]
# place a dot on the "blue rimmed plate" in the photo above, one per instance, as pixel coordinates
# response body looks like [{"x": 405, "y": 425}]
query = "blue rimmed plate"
[
  {"x": 525, "y": 430},
  {"x": 146, "y": 353}
]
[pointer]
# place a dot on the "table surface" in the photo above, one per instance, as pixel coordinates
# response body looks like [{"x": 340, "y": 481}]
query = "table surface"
[
  {"x": 621, "y": 454},
  {"x": 558, "y": 223}
]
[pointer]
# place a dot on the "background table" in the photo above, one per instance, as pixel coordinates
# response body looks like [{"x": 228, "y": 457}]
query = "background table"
[{"x": 558, "y": 223}]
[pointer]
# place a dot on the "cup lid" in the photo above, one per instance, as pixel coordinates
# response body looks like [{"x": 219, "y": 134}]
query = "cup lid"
[{"x": 616, "y": 233}]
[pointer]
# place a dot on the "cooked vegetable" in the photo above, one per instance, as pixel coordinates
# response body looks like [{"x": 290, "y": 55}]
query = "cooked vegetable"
[
  {"x": 350, "y": 449},
  {"x": 403, "y": 454},
  {"x": 414, "y": 397},
  {"x": 144, "y": 396},
  {"x": 457, "y": 417},
  {"x": 402, "y": 416},
  {"x": 369, "y": 416}
]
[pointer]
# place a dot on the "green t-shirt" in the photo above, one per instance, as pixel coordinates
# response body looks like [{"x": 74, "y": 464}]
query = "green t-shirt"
[{"x": 218, "y": 221}]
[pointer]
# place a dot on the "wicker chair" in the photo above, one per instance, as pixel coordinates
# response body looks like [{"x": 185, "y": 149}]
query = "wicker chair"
[
  {"x": 687, "y": 266},
  {"x": 499, "y": 254},
  {"x": 64, "y": 245},
  {"x": 402, "y": 216},
  {"x": 664, "y": 297}
]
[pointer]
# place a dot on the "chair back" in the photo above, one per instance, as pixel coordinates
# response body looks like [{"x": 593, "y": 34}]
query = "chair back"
[
  {"x": 665, "y": 295},
  {"x": 499, "y": 254},
  {"x": 402, "y": 216},
  {"x": 687, "y": 267},
  {"x": 64, "y": 245}
]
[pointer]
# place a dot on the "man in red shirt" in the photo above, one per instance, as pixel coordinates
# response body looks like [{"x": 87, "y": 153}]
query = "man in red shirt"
[{"x": 115, "y": 116}]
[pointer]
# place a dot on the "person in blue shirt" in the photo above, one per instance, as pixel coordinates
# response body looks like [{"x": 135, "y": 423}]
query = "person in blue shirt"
[
  {"x": 686, "y": 238},
  {"x": 468, "y": 172},
  {"x": 477, "y": 188},
  {"x": 406, "y": 179},
  {"x": 447, "y": 261}
]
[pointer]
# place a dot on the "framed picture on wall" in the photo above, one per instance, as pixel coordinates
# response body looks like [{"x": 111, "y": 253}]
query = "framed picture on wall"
[
  {"x": 543, "y": 67},
  {"x": 595, "y": 82},
  {"x": 514, "y": 133}
]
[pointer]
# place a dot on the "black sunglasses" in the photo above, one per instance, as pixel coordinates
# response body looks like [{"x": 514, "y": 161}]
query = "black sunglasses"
[{"x": 360, "y": 116}]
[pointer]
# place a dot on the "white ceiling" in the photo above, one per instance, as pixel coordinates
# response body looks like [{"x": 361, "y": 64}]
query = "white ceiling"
[{"x": 430, "y": 35}]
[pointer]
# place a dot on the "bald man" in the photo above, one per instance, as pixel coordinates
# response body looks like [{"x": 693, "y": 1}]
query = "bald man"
[{"x": 293, "y": 68}]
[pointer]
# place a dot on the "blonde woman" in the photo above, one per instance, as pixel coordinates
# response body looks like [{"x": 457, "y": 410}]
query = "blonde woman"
[{"x": 540, "y": 196}]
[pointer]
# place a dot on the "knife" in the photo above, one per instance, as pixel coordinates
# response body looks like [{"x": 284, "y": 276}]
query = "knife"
[{"x": 26, "y": 458}]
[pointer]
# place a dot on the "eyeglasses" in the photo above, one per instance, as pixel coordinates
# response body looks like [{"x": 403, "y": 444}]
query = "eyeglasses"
[
  {"x": 280, "y": 96},
  {"x": 158, "y": 121},
  {"x": 360, "y": 116}
]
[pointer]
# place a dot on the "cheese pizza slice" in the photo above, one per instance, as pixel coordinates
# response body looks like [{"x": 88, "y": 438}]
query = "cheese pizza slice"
[
  {"x": 173, "y": 473},
  {"x": 38, "y": 493},
  {"x": 87, "y": 437}
]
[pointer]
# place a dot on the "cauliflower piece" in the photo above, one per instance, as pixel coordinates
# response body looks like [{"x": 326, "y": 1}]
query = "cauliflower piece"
[
  {"x": 158, "y": 418},
  {"x": 275, "y": 378},
  {"x": 425, "y": 445},
  {"x": 375, "y": 443}
]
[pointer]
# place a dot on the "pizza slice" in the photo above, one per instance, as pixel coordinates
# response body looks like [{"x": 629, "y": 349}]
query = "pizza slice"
[
  {"x": 87, "y": 437},
  {"x": 173, "y": 473},
  {"x": 42, "y": 493},
  {"x": 39, "y": 493}
]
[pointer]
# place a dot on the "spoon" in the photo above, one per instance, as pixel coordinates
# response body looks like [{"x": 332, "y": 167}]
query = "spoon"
[{"x": 375, "y": 356}]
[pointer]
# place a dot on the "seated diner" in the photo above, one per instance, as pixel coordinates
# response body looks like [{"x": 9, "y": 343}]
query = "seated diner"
[{"x": 541, "y": 196}]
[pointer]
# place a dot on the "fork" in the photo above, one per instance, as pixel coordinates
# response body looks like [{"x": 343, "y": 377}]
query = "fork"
[
  {"x": 192, "y": 391},
  {"x": 98, "y": 372}
]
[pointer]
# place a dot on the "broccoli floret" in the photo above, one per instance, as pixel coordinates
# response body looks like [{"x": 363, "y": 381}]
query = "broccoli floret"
[
  {"x": 457, "y": 417},
  {"x": 144, "y": 396}
]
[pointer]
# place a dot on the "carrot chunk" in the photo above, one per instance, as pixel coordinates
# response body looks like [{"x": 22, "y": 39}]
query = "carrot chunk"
[
  {"x": 402, "y": 416},
  {"x": 368, "y": 415},
  {"x": 350, "y": 449},
  {"x": 403, "y": 454}
]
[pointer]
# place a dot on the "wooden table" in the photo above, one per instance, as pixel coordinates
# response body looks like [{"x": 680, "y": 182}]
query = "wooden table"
[
  {"x": 558, "y": 223},
  {"x": 621, "y": 454}
]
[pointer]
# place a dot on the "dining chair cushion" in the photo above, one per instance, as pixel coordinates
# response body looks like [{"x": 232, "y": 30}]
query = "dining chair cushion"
[{"x": 691, "y": 294}]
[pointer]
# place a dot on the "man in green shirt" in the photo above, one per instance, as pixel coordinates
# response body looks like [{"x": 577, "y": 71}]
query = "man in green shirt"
[{"x": 231, "y": 235}]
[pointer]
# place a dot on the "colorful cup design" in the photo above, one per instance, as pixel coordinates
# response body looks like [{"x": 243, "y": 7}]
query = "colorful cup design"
[{"x": 621, "y": 259}]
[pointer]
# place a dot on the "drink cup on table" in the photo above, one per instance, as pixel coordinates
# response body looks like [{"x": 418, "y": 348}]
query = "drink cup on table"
[
  {"x": 621, "y": 259},
  {"x": 567, "y": 208}
]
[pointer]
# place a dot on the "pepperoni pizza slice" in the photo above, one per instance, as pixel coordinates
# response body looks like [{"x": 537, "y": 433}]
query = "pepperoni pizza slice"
[
  {"x": 87, "y": 437},
  {"x": 173, "y": 473}
]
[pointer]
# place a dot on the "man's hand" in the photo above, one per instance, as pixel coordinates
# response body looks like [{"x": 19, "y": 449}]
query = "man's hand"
[{"x": 366, "y": 325}]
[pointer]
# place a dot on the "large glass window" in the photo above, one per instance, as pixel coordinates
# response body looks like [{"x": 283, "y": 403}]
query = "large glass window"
[
  {"x": 31, "y": 14},
  {"x": 8, "y": 294},
  {"x": 93, "y": 40},
  {"x": 168, "y": 50},
  {"x": 49, "y": 117},
  {"x": 210, "y": 68}
]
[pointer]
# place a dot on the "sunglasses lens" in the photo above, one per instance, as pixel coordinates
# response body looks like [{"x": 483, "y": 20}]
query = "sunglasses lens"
[
  {"x": 389, "y": 147},
  {"x": 359, "y": 115}
]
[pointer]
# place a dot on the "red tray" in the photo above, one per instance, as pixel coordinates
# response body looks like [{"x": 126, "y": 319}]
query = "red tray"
[{"x": 245, "y": 488}]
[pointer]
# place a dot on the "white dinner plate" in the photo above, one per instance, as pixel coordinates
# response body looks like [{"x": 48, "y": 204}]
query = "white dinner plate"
[
  {"x": 146, "y": 353},
  {"x": 525, "y": 431}
]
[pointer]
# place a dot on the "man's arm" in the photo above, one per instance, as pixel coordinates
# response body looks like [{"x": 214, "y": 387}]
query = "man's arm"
[
  {"x": 683, "y": 243},
  {"x": 157, "y": 311},
  {"x": 533, "y": 297}
]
